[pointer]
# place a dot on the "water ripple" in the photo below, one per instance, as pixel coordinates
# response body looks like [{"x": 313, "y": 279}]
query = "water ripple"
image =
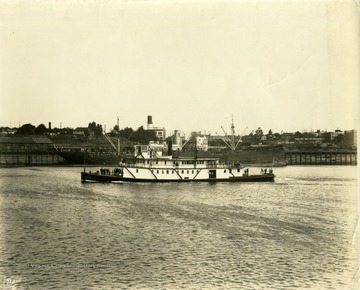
[{"x": 57, "y": 233}]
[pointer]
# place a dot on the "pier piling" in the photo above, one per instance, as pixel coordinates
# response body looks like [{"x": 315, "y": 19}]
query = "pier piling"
[{"x": 334, "y": 157}]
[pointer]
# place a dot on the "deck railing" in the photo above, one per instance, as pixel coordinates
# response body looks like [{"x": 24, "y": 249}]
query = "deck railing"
[{"x": 182, "y": 166}]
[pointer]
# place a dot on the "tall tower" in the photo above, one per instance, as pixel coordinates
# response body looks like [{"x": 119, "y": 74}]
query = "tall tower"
[{"x": 149, "y": 122}]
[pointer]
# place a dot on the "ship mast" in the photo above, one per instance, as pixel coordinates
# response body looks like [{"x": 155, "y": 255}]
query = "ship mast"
[
  {"x": 117, "y": 149},
  {"x": 233, "y": 146},
  {"x": 118, "y": 145},
  {"x": 231, "y": 143}
]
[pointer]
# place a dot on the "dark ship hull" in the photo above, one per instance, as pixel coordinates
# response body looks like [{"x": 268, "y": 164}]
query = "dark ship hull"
[
  {"x": 265, "y": 156},
  {"x": 77, "y": 158}
]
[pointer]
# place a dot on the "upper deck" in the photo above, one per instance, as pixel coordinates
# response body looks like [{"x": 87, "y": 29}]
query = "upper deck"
[{"x": 179, "y": 163}]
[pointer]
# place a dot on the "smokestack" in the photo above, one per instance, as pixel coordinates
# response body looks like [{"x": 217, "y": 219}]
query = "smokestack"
[
  {"x": 149, "y": 122},
  {"x": 170, "y": 148},
  {"x": 49, "y": 126},
  {"x": 177, "y": 138}
]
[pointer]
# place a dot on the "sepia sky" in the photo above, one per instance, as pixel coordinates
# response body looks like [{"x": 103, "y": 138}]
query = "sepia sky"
[{"x": 192, "y": 65}]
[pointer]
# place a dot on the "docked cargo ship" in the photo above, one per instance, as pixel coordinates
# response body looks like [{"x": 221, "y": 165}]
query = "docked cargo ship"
[
  {"x": 262, "y": 156},
  {"x": 259, "y": 157},
  {"x": 85, "y": 157}
]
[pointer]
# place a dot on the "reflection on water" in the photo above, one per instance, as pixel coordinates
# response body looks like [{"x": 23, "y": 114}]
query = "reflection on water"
[{"x": 59, "y": 233}]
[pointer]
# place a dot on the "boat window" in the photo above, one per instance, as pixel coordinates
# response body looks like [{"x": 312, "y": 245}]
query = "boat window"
[
  {"x": 182, "y": 171},
  {"x": 238, "y": 169},
  {"x": 137, "y": 170},
  {"x": 225, "y": 171},
  {"x": 172, "y": 171},
  {"x": 157, "y": 171},
  {"x": 229, "y": 170},
  {"x": 192, "y": 171},
  {"x": 162, "y": 171},
  {"x": 156, "y": 162},
  {"x": 165, "y": 162},
  {"x": 187, "y": 171}
]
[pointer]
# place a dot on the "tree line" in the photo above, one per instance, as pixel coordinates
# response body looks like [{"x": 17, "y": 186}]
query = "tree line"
[{"x": 93, "y": 130}]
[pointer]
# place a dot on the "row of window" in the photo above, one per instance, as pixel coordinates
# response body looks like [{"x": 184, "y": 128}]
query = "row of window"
[
  {"x": 174, "y": 162},
  {"x": 230, "y": 170},
  {"x": 172, "y": 171},
  {"x": 182, "y": 171},
  {"x": 21, "y": 148}
]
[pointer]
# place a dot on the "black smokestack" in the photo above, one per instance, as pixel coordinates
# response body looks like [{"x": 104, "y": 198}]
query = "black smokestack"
[
  {"x": 149, "y": 122},
  {"x": 170, "y": 147}
]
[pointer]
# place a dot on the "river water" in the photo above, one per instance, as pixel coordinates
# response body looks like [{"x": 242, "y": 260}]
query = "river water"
[{"x": 295, "y": 233}]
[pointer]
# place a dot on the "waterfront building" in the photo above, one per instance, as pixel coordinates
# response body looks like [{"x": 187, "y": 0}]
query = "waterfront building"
[
  {"x": 350, "y": 138},
  {"x": 80, "y": 131},
  {"x": 202, "y": 143},
  {"x": 160, "y": 133},
  {"x": 27, "y": 151}
]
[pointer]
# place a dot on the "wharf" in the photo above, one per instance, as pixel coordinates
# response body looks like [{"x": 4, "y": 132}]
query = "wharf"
[
  {"x": 28, "y": 151},
  {"x": 321, "y": 157},
  {"x": 30, "y": 158}
]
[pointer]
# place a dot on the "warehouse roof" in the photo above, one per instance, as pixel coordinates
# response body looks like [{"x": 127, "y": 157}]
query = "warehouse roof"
[{"x": 25, "y": 140}]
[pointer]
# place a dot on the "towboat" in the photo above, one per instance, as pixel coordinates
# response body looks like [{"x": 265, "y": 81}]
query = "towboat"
[{"x": 149, "y": 165}]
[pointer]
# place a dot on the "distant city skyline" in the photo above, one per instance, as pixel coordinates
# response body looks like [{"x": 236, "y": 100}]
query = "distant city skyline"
[
  {"x": 220, "y": 132},
  {"x": 281, "y": 65}
]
